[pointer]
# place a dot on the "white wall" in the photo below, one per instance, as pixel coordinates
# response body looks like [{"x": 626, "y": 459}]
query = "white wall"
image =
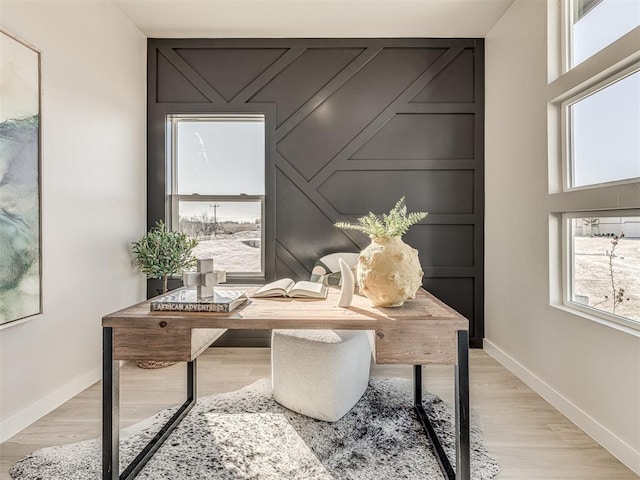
[
  {"x": 589, "y": 371},
  {"x": 93, "y": 198}
]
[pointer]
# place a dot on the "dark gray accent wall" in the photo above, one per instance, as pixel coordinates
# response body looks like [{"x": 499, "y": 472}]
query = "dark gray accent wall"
[{"x": 352, "y": 125}]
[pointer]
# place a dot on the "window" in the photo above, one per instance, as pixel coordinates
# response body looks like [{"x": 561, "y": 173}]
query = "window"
[
  {"x": 594, "y": 165},
  {"x": 217, "y": 185},
  {"x": 595, "y": 24},
  {"x": 603, "y": 139},
  {"x": 604, "y": 264}
]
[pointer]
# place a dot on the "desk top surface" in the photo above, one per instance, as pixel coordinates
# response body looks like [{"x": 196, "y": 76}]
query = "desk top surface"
[{"x": 284, "y": 313}]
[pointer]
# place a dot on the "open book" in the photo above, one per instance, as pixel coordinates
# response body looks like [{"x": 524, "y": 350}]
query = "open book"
[{"x": 288, "y": 288}]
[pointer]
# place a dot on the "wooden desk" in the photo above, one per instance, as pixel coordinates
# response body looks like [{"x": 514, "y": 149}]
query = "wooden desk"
[{"x": 422, "y": 332}]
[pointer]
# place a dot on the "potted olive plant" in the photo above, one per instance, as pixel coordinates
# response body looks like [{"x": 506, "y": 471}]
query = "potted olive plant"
[
  {"x": 160, "y": 254},
  {"x": 389, "y": 270}
]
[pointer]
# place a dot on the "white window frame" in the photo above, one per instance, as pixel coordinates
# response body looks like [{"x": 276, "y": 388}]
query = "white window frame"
[
  {"x": 566, "y": 34},
  {"x": 568, "y": 169},
  {"x": 568, "y": 267},
  {"x": 567, "y": 14},
  {"x": 174, "y": 197},
  {"x": 618, "y": 198}
]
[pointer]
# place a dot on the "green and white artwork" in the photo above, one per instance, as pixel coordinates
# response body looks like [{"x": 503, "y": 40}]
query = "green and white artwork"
[{"x": 20, "y": 276}]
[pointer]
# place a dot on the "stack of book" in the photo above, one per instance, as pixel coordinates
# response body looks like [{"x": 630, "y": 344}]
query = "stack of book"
[{"x": 186, "y": 299}]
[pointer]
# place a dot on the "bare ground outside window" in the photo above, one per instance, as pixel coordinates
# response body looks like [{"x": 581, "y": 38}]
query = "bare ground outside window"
[
  {"x": 594, "y": 268},
  {"x": 238, "y": 252}
]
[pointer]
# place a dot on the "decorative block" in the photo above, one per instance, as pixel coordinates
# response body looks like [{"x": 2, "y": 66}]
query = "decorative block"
[{"x": 205, "y": 278}]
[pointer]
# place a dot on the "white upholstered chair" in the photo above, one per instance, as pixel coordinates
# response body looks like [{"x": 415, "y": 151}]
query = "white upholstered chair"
[{"x": 321, "y": 373}]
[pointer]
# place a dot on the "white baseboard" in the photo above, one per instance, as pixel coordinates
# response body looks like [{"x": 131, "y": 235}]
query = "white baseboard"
[
  {"x": 37, "y": 410},
  {"x": 609, "y": 440}
]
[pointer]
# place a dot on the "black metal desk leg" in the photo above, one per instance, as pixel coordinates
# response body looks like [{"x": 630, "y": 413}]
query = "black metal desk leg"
[
  {"x": 191, "y": 381},
  {"x": 441, "y": 456},
  {"x": 110, "y": 408},
  {"x": 156, "y": 442},
  {"x": 463, "y": 454},
  {"x": 417, "y": 384},
  {"x": 111, "y": 416}
]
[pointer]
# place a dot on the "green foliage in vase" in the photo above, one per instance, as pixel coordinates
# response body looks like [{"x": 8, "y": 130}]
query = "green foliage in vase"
[
  {"x": 393, "y": 224},
  {"x": 161, "y": 253}
]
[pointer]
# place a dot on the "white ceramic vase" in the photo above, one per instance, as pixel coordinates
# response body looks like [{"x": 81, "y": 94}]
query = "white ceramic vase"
[{"x": 389, "y": 272}]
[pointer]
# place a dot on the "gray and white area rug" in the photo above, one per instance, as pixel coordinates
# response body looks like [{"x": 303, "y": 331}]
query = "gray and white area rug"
[{"x": 246, "y": 435}]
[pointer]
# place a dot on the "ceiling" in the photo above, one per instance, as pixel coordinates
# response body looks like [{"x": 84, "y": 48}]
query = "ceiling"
[{"x": 313, "y": 18}]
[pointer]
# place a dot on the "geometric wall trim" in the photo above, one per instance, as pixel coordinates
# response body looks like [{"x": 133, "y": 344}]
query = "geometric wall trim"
[
  {"x": 351, "y": 126},
  {"x": 422, "y": 136},
  {"x": 355, "y": 192},
  {"x": 452, "y": 84}
]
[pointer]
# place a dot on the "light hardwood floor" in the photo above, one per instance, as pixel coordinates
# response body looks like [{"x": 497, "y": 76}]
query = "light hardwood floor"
[{"x": 529, "y": 438}]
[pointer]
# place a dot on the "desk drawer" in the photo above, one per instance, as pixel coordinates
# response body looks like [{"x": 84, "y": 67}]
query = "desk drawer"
[
  {"x": 162, "y": 343},
  {"x": 416, "y": 345}
]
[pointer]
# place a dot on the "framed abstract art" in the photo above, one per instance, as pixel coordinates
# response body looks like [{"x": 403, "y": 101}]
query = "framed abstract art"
[{"x": 20, "y": 244}]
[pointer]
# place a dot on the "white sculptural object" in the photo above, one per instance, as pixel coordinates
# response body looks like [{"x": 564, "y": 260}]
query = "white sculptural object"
[
  {"x": 205, "y": 278},
  {"x": 348, "y": 284}
]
